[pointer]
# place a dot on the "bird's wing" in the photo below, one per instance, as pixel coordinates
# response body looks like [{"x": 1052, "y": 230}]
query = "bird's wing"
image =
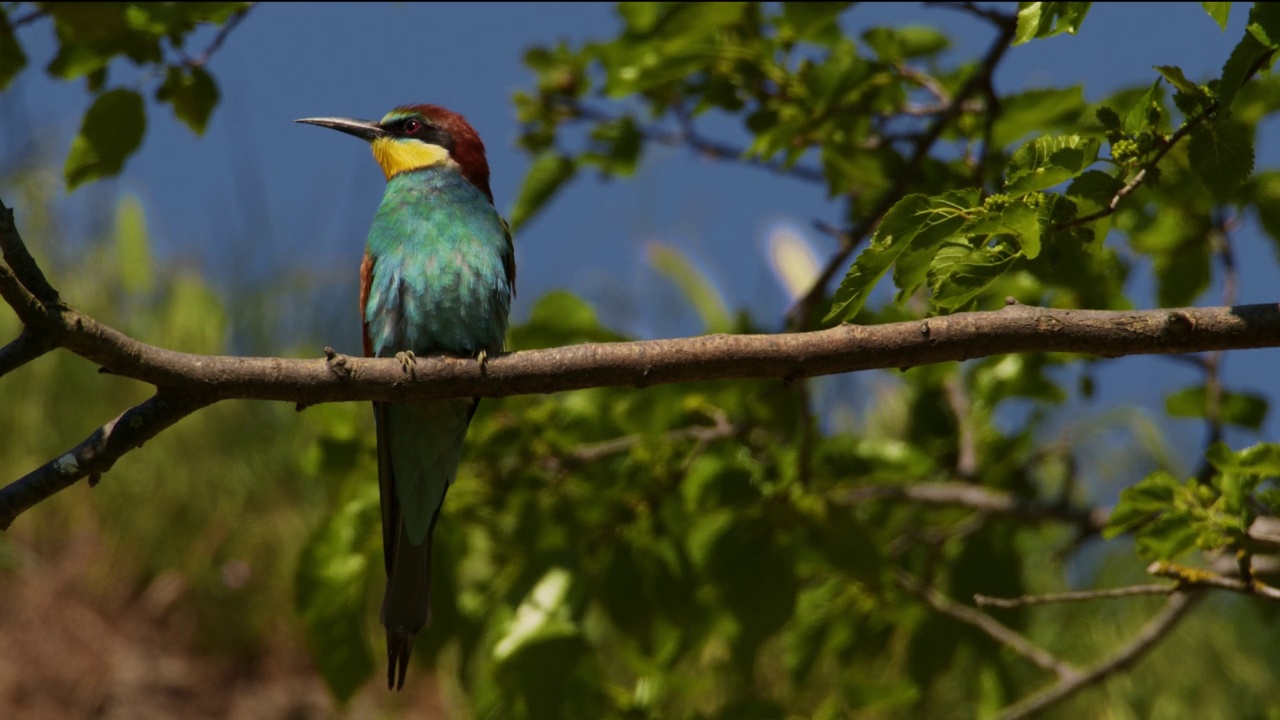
[
  {"x": 509, "y": 257},
  {"x": 366, "y": 278}
]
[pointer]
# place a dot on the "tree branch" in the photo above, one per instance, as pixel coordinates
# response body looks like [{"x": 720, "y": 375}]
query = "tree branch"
[
  {"x": 993, "y": 628},
  {"x": 798, "y": 315},
  {"x": 983, "y": 500},
  {"x": 216, "y": 44},
  {"x": 786, "y": 356},
  {"x": 1155, "y": 630},
  {"x": 98, "y": 452},
  {"x": 1073, "y": 596},
  {"x": 1196, "y": 578},
  {"x": 26, "y": 347},
  {"x": 203, "y": 379}
]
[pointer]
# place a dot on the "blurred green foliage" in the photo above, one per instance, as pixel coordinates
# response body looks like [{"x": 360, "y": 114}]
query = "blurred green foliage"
[
  {"x": 153, "y": 37},
  {"x": 720, "y": 550}
]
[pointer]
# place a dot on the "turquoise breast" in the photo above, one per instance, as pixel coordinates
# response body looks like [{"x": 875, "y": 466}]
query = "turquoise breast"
[{"x": 439, "y": 283}]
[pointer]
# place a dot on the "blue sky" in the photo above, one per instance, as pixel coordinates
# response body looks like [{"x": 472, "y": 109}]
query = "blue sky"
[{"x": 259, "y": 196}]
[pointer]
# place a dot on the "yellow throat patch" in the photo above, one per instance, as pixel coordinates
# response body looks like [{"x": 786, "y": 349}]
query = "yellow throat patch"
[{"x": 396, "y": 156}]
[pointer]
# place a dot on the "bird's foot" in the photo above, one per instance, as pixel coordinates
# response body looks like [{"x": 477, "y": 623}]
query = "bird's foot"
[
  {"x": 482, "y": 357},
  {"x": 407, "y": 360}
]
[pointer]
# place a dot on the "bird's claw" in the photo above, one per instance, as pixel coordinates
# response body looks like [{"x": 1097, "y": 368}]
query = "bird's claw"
[
  {"x": 407, "y": 360},
  {"x": 482, "y": 357}
]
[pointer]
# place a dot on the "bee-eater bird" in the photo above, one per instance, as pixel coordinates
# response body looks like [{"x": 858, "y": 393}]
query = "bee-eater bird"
[{"x": 438, "y": 276}]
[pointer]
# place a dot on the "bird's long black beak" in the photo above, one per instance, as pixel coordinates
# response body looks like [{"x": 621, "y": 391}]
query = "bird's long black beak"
[{"x": 363, "y": 129}]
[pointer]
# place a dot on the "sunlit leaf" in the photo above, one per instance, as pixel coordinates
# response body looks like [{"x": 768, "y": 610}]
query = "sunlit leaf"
[
  {"x": 193, "y": 94},
  {"x": 549, "y": 172},
  {"x": 1219, "y": 11},
  {"x": 1046, "y": 19},
  {"x": 696, "y": 287},
  {"x": 1235, "y": 408},
  {"x": 110, "y": 132},
  {"x": 1044, "y": 162},
  {"x": 1261, "y": 459}
]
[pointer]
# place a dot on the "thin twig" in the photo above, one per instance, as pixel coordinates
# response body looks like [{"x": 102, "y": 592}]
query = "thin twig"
[
  {"x": 926, "y": 81},
  {"x": 1196, "y": 578},
  {"x": 216, "y": 44},
  {"x": 982, "y": 499},
  {"x": 967, "y": 441},
  {"x": 1073, "y": 596},
  {"x": 1136, "y": 181},
  {"x": 1220, "y": 240},
  {"x": 98, "y": 452},
  {"x": 1151, "y": 633},
  {"x": 701, "y": 433},
  {"x": 800, "y": 312},
  {"x": 688, "y": 137},
  {"x": 993, "y": 628},
  {"x": 24, "y": 267},
  {"x": 28, "y": 18}
]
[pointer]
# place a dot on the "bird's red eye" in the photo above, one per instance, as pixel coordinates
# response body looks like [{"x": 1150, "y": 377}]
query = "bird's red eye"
[{"x": 412, "y": 126}]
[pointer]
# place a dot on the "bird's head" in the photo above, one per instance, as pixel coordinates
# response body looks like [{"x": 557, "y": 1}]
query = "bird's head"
[{"x": 413, "y": 137}]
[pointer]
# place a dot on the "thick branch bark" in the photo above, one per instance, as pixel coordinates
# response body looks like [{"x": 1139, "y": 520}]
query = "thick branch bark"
[
  {"x": 847, "y": 348},
  {"x": 188, "y": 382}
]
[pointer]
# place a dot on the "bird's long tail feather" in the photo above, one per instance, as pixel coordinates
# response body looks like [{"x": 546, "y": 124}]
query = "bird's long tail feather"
[{"x": 406, "y": 606}]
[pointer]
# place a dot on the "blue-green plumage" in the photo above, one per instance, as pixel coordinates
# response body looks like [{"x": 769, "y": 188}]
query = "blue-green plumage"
[{"x": 438, "y": 277}]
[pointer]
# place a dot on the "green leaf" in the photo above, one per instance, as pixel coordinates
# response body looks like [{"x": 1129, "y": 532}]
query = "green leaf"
[
  {"x": 1140, "y": 503},
  {"x": 1261, "y": 459},
  {"x": 1023, "y": 223},
  {"x": 1264, "y": 24},
  {"x": 814, "y": 21},
  {"x": 1248, "y": 55},
  {"x": 896, "y": 44},
  {"x": 1138, "y": 118},
  {"x": 640, "y": 17},
  {"x": 1045, "y": 19},
  {"x": 696, "y": 287},
  {"x": 1174, "y": 75},
  {"x": 1183, "y": 272},
  {"x": 1168, "y": 536},
  {"x": 1243, "y": 409},
  {"x": 1222, "y": 156},
  {"x": 333, "y": 574},
  {"x": 1266, "y": 200},
  {"x": 1036, "y": 111},
  {"x": 916, "y": 221},
  {"x": 560, "y": 318},
  {"x": 193, "y": 94},
  {"x": 1218, "y": 11},
  {"x": 549, "y": 172},
  {"x": 1044, "y": 162},
  {"x": 132, "y": 246},
  {"x": 619, "y": 144},
  {"x": 960, "y": 273},
  {"x": 12, "y": 59},
  {"x": 544, "y": 614},
  {"x": 734, "y": 550},
  {"x": 1108, "y": 118},
  {"x": 1095, "y": 186},
  {"x": 110, "y": 132}
]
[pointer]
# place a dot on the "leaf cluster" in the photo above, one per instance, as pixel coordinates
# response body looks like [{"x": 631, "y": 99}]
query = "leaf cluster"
[{"x": 92, "y": 38}]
